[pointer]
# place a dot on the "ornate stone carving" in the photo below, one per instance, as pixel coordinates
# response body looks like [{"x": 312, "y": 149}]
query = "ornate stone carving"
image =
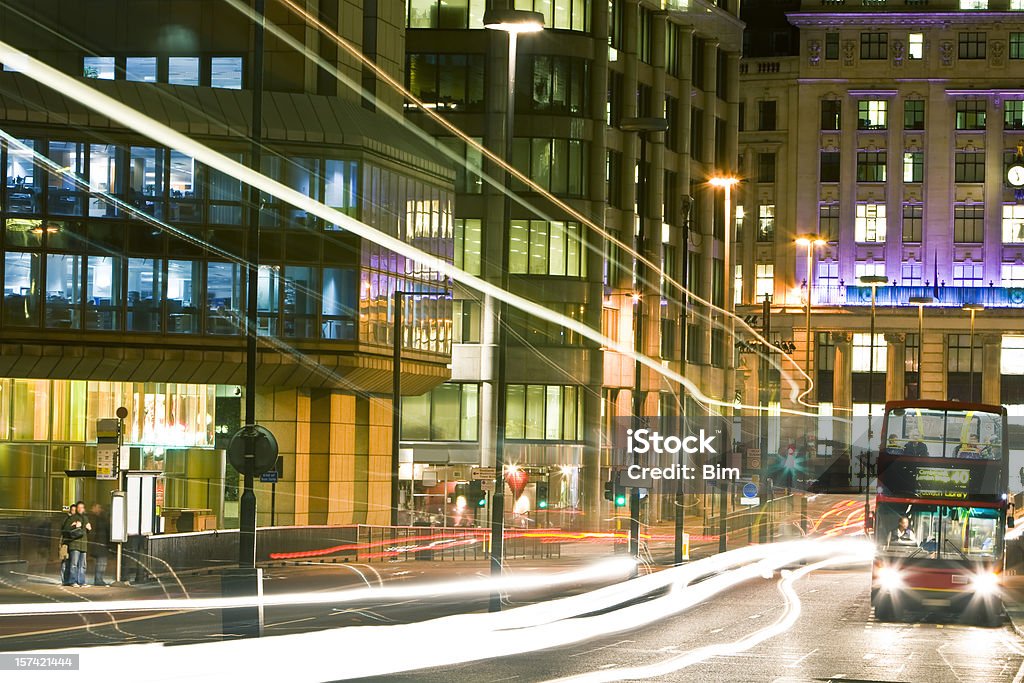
[
  {"x": 898, "y": 52},
  {"x": 946, "y": 52},
  {"x": 895, "y": 337},
  {"x": 997, "y": 52},
  {"x": 814, "y": 52},
  {"x": 842, "y": 337},
  {"x": 849, "y": 49}
]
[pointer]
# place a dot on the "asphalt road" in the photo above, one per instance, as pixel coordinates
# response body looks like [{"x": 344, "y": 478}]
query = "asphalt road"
[{"x": 834, "y": 639}]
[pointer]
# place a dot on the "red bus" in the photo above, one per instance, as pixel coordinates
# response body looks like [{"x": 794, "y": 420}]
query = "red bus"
[{"x": 941, "y": 510}]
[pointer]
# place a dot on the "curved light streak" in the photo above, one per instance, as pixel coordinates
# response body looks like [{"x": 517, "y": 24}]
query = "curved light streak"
[{"x": 135, "y": 120}]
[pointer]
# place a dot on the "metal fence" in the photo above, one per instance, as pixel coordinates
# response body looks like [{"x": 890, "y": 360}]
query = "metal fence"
[{"x": 397, "y": 543}]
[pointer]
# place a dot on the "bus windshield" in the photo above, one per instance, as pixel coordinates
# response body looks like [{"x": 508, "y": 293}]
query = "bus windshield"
[
  {"x": 933, "y": 433},
  {"x": 945, "y": 532}
]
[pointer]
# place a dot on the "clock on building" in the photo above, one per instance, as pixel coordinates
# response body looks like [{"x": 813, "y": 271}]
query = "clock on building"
[{"x": 1015, "y": 175}]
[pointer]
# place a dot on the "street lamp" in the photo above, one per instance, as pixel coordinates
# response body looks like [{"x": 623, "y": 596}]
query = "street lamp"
[
  {"x": 872, "y": 281},
  {"x": 920, "y": 302},
  {"x": 726, "y": 183},
  {"x": 512, "y": 22},
  {"x": 680, "y": 501},
  {"x": 810, "y": 242},
  {"x": 644, "y": 127},
  {"x": 973, "y": 308}
]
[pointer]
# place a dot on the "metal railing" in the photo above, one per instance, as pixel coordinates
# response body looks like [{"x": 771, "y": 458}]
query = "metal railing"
[{"x": 899, "y": 295}]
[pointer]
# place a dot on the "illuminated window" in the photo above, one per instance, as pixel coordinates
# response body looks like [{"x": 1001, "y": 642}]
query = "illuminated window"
[
  {"x": 869, "y": 224},
  {"x": 828, "y": 221},
  {"x": 828, "y": 274},
  {"x": 1017, "y": 5},
  {"x": 547, "y": 248},
  {"x": 1013, "y": 275},
  {"x": 973, "y": 4},
  {"x": 913, "y": 167},
  {"x": 1012, "y": 359},
  {"x": 183, "y": 70},
  {"x": 910, "y": 274},
  {"x": 915, "y": 46},
  {"x": 872, "y": 114},
  {"x": 737, "y": 285},
  {"x": 142, "y": 69},
  {"x": 862, "y": 352},
  {"x": 226, "y": 72},
  {"x": 1013, "y": 114},
  {"x": 570, "y": 15},
  {"x": 740, "y": 213},
  {"x": 764, "y": 284},
  {"x": 544, "y": 412},
  {"x": 968, "y": 275},
  {"x": 449, "y": 412},
  {"x": 98, "y": 67},
  {"x": 468, "y": 243},
  {"x": 866, "y": 268},
  {"x": 765, "y": 222}
]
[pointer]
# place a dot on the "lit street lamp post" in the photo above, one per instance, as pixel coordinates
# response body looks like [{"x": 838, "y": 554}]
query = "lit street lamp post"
[
  {"x": 810, "y": 242},
  {"x": 725, "y": 183},
  {"x": 973, "y": 309},
  {"x": 512, "y": 22},
  {"x": 644, "y": 127},
  {"x": 872, "y": 281}
]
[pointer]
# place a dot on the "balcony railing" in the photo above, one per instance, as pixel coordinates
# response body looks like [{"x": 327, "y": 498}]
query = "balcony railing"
[{"x": 899, "y": 295}]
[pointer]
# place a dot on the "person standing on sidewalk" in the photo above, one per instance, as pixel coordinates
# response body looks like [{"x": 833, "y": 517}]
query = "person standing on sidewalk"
[
  {"x": 99, "y": 542},
  {"x": 62, "y": 550},
  {"x": 76, "y": 530}
]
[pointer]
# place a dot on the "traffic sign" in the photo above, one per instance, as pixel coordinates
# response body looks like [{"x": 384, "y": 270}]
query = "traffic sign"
[
  {"x": 627, "y": 481},
  {"x": 263, "y": 450},
  {"x": 749, "y": 490},
  {"x": 487, "y": 485},
  {"x": 107, "y": 460},
  {"x": 750, "y": 501},
  {"x": 269, "y": 477},
  {"x": 483, "y": 473}
]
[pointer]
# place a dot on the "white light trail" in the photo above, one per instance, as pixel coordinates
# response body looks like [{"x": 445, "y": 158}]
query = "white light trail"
[
  {"x": 608, "y": 570},
  {"x": 793, "y": 609},
  {"x": 378, "y": 651},
  {"x": 135, "y": 120}
]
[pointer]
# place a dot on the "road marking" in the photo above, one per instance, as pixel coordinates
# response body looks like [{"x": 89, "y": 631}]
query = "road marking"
[
  {"x": 1020, "y": 674},
  {"x": 796, "y": 663},
  {"x": 718, "y": 630},
  {"x": 89, "y": 626}
]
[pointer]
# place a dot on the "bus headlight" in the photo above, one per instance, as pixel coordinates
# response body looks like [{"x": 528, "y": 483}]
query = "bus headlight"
[
  {"x": 889, "y": 578},
  {"x": 985, "y": 583}
]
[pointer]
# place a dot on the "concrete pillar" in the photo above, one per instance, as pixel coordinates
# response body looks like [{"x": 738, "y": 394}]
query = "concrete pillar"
[
  {"x": 991, "y": 362},
  {"x": 842, "y": 385},
  {"x": 896, "y": 366}
]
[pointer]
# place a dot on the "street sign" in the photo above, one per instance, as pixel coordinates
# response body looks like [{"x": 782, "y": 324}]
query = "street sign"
[
  {"x": 269, "y": 477},
  {"x": 750, "y": 501},
  {"x": 487, "y": 485},
  {"x": 264, "y": 450},
  {"x": 482, "y": 474},
  {"x": 106, "y": 461},
  {"x": 627, "y": 481},
  {"x": 749, "y": 490},
  {"x": 753, "y": 458}
]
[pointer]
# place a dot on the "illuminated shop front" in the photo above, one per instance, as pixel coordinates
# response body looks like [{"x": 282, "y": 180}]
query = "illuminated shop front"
[{"x": 48, "y": 427}]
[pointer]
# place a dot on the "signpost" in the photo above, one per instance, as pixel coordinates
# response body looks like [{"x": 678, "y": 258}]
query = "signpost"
[
  {"x": 483, "y": 474},
  {"x": 750, "y": 495}
]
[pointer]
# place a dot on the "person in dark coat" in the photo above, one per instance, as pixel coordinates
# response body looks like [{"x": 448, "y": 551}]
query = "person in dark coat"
[
  {"x": 99, "y": 542},
  {"x": 76, "y": 530},
  {"x": 62, "y": 550}
]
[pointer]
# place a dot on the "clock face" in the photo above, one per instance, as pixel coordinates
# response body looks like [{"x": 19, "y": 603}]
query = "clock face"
[{"x": 1015, "y": 175}]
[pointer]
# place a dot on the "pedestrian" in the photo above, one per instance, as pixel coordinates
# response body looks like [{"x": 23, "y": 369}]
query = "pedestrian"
[
  {"x": 62, "y": 549},
  {"x": 76, "y": 530},
  {"x": 99, "y": 542}
]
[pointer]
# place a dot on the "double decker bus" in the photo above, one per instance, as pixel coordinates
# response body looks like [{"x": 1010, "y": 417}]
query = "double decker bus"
[{"x": 941, "y": 510}]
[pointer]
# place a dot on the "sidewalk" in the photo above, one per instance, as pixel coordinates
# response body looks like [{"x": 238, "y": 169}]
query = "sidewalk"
[{"x": 1013, "y": 601}]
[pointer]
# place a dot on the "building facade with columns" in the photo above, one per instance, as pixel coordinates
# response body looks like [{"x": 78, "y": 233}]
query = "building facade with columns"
[
  {"x": 880, "y": 146},
  {"x": 142, "y": 304},
  {"x": 595, "y": 64}
]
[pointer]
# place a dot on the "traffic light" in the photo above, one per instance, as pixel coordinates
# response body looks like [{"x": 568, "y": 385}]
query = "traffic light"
[
  {"x": 615, "y": 494},
  {"x": 482, "y": 501},
  {"x": 542, "y": 495}
]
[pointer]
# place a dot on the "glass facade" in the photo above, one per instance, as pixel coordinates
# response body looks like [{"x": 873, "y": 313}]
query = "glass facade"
[{"x": 73, "y": 260}]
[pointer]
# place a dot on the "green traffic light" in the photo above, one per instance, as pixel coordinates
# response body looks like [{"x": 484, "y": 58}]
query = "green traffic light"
[
  {"x": 543, "y": 504},
  {"x": 620, "y": 501},
  {"x": 481, "y": 503}
]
